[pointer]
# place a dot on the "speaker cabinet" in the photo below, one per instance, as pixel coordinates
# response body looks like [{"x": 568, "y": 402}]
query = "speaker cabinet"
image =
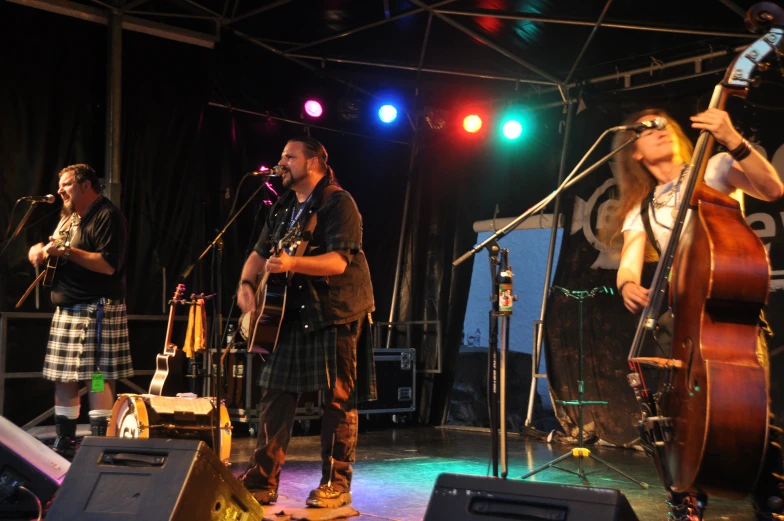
[
  {"x": 462, "y": 498},
  {"x": 27, "y": 462},
  {"x": 150, "y": 480}
]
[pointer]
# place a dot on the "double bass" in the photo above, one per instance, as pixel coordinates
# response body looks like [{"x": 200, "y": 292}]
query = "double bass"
[{"x": 709, "y": 420}]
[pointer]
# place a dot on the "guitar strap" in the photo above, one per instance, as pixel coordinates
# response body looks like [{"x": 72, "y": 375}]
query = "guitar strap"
[
  {"x": 310, "y": 227},
  {"x": 187, "y": 346},
  {"x": 646, "y": 222},
  {"x": 194, "y": 337}
]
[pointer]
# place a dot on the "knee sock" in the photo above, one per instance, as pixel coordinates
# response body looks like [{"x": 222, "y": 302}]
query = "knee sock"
[{"x": 72, "y": 413}]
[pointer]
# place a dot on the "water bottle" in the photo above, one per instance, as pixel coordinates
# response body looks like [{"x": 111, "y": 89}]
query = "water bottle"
[
  {"x": 229, "y": 335},
  {"x": 477, "y": 337}
]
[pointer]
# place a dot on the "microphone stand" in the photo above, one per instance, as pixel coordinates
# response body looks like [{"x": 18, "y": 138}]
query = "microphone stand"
[
  {"x": 19, "y": 228},
  {"x": 581, "y": 452},
  {"x": 219, "y": 239},
  {"x": 492, "y": 245}
]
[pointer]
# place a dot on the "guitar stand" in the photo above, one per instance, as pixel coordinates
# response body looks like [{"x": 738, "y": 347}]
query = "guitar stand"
[{"x": 580, "y": 452}]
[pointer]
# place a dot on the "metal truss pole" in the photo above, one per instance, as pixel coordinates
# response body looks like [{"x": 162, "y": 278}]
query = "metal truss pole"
[
  {"x": 404, "y": 221},
  {"x": 114, "y": 108},
  {"x": 536, "y": 353}
]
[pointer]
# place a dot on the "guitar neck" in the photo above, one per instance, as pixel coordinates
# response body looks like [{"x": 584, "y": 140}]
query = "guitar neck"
[{"x": 169, "y": 327}]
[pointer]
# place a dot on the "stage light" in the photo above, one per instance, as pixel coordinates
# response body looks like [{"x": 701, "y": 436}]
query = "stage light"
[
  {"x": 387, "y": 113},
  {"x": 512, "y": 129},
  {"x": 313, "y": 108},
  {"x": 472, "y": 123}
]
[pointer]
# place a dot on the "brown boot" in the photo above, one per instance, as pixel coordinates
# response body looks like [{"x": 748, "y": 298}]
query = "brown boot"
[{"x": 326, "y": 496}]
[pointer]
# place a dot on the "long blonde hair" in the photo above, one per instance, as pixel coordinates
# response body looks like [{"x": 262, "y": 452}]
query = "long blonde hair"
[{"x": 635, "y": 182}]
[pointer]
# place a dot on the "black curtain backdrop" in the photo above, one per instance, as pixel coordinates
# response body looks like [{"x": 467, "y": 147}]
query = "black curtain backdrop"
[
  {"x": 584, "y": 262},
  {"x": 182, "y": 159}
]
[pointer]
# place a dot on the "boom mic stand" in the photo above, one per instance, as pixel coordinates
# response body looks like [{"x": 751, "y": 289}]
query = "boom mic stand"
[
  {"x": 581, "y": 452},
  {"x": 491, "y": 243},
  {"x": 218, "y": 240}
]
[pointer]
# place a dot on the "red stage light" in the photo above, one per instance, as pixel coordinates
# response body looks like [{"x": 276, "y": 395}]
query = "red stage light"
[{"x": 472, "y": 123}]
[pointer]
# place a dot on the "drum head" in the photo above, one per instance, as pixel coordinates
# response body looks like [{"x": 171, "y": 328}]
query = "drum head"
[{"x": 129, "y": 418}]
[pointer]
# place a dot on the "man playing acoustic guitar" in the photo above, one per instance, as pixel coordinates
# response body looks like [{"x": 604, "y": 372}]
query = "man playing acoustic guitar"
[
  {"x": 88, "y": 340},
  {"x": 329, "y": 296}
]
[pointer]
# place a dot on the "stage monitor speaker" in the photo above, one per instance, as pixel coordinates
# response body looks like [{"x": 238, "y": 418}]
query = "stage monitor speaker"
[
  {"x": 462, "y": 498},
  {"x": 25, "y": 461},
  {"x": 158, "y": 479}
]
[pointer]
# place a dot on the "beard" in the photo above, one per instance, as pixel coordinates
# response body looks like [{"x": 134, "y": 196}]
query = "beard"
[
  {"x": 287, "y": 181},
  {"x": 67, "y": 209}
]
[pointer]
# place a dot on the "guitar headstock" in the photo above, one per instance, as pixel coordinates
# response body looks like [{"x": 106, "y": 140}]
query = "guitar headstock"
[
  {"x": 179, "y": 291},
  {"x": 290, "y": 240}
]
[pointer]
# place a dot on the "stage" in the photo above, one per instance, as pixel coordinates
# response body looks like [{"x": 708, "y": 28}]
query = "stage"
[{"x": 396, "y": 469}]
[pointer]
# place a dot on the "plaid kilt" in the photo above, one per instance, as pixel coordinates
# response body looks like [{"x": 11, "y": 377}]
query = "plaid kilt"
[
  {"x": 72, "y": 341},
  {"x": 301, "y": 362}
]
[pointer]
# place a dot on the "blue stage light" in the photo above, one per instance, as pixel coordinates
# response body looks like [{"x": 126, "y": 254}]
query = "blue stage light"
[{"x": 387, "y": 113}]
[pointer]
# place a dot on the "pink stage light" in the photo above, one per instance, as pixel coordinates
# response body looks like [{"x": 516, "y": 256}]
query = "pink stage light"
[{"x": 313, "y": 108}]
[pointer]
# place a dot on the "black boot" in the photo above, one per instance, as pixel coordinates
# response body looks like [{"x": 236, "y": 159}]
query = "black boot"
[
  {"x": 65, "y": 443},
  {"x": 98, "y": 425}
]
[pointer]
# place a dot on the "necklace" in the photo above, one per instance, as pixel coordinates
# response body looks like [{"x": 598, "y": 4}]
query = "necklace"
[{"x": 670, "y": 194}]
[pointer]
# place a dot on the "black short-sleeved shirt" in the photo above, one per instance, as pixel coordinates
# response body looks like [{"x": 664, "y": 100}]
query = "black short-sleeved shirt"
[
  {"x": 102, "y": 229},
  {"x": 336, "y": 299}
]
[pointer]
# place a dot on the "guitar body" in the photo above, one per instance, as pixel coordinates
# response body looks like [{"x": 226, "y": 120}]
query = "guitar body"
[
  {"x": 262, "y": 328},
  {"x": 169, "y": 377},
  {"x": 718, "y": 399},
  {"x": 170, "y": 370}
]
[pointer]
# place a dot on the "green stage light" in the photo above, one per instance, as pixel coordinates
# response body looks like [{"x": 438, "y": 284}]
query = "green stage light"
[{"x": 512, "y": 129}]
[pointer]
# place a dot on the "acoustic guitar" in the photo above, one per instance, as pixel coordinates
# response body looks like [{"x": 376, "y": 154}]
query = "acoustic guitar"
[
  {"x": 261, "y": 328},
  {"x": 64, "y": 240},
  {"x": 168, "y": 379}
]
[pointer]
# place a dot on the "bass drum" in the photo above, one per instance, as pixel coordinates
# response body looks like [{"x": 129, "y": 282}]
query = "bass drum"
[{"x": 151, "y": 416}]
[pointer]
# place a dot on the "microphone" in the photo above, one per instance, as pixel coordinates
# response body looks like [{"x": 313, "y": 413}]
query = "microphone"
[
  {"x": 275, "y": 171},
  {"x": 49, "y": 198},
  {"x": 658, "y": 123}
]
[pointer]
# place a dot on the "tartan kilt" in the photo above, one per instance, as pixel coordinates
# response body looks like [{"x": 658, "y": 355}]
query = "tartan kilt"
[
  {"x": 301, "y": 362},
  {"x": 70, "y": 354}
]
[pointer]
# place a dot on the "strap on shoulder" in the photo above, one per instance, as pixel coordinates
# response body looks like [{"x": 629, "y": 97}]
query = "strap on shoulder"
[{"x": 646, "y": 222}]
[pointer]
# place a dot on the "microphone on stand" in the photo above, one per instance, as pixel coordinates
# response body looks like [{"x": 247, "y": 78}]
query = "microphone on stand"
[
  {"x": 658, "y": 123},
  {"x": 49, "y": 198},
  {"x": 275, "y": 171}
]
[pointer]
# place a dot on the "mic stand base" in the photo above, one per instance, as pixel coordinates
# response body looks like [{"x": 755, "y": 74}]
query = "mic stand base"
[{"x": 580, "y": 452}]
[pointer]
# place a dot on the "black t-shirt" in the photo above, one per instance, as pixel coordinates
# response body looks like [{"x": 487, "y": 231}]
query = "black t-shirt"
[{"x": 102, "y": 229}]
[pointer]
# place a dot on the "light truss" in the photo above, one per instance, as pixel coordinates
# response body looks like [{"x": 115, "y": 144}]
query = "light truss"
[
  {"x": 130, "y": 23},
  {"x": 135, "y": 19}
]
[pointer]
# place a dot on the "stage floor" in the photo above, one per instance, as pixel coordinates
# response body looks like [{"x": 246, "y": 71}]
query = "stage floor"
[{"x": 397, "y": 468}]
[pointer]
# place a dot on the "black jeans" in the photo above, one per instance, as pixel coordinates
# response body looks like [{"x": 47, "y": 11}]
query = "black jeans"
[{"x": 338, "y": 424}]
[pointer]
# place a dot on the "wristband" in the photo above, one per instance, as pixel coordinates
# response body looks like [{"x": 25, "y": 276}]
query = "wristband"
[
  {"x": 742, "y": 151},
  {"x": 624, "y": 283},
  {"x": 249, "y": 283}
]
